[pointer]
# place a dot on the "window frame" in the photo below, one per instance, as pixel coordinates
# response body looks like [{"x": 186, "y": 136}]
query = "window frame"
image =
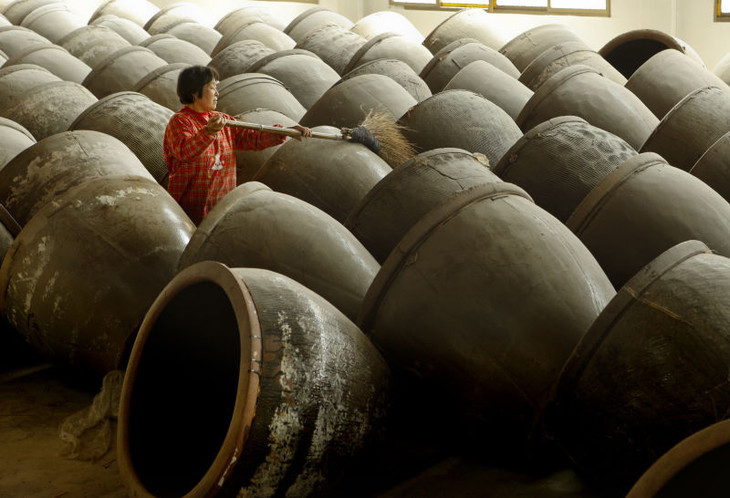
[
  {"x": 719, "y": 15},
  {"x": 497, "y": 9}
]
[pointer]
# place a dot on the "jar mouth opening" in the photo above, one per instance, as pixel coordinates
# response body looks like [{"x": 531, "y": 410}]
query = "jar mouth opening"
[{"x": 186, "y": 397}]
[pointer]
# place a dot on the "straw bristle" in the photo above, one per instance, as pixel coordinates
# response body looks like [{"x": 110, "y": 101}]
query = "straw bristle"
[{"x": 396, "y": 148}]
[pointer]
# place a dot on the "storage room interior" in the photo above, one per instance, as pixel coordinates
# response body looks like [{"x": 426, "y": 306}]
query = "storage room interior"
[{"x": 498, "y": 267}]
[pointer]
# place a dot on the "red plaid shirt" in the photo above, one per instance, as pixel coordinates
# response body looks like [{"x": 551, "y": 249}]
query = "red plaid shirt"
[{"x": 203, "y": 167}]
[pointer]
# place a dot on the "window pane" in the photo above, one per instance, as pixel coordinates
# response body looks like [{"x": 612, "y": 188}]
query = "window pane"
[
  {"x": 521, "y": 3},
  {"x": 725, "y": 7},
  {"x": 578, "y": 4},
  {"x": 473, "y": 3}
]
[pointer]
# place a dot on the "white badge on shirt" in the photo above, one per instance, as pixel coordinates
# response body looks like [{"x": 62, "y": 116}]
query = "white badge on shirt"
[{"x": 217, "y": 164}]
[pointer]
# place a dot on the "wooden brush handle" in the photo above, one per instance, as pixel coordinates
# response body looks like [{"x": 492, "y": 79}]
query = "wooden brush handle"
[{"x": 282, "y": 131}]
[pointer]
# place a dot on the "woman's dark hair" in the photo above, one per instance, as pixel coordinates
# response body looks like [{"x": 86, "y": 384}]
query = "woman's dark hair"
[{"x": 191, "y": 81}]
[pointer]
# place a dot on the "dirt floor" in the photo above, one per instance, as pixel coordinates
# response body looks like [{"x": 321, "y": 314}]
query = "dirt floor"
[{"x": 33, "y": 404}]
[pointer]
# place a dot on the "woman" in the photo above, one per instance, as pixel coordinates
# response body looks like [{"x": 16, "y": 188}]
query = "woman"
[{"x": 199, "y": 149}]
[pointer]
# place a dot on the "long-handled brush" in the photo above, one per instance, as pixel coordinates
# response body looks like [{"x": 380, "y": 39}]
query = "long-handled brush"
[{"x": 377, "y": 132}]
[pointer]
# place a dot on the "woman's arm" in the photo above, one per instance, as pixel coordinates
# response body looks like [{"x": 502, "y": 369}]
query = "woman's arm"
[
  {"x": 184, "y": 141},
  {"x": 246, "y": 139}
]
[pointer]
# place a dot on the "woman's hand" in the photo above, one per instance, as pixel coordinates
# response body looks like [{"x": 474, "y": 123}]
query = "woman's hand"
[
  {"x": 215, "y": 123},
  {"x": 305, "y": 132}
]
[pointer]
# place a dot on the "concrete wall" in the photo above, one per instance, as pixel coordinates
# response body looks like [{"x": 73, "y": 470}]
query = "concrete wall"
[
  {"x": 690, "y": 20},
  {"x": 696, "y": 26}
]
